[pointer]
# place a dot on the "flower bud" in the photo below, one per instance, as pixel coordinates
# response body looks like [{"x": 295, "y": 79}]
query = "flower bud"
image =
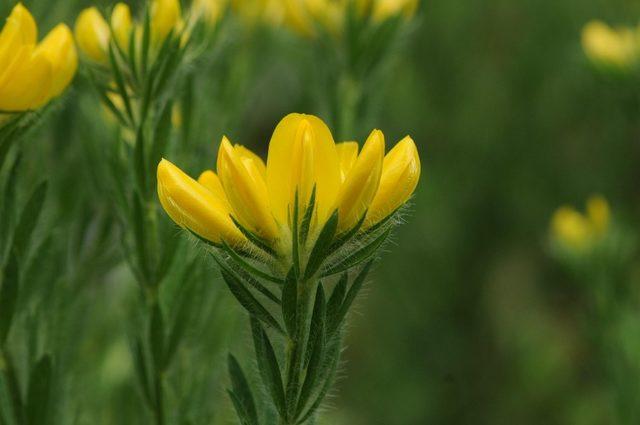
[
  {"x": 211, "y": 181},
  {"x": 121, "y": 24},
  {"x": 361, "y": 183},
  {"x": 92, "y": 34},
  {"x": 606, "y": 46},
  {"x": 194, "y": 207},
  {"x": 246, "y": 190},
  {"x": 599, "y": 214},
  {"x": 386, "y": 9},
  {"x": 59, "y": 49},
  {"x": 165, "y": 16},
  {"x": 347, "y": 155},
  {"x": 570, "y": 228},
  {"x": 400, "y": 175},
  {"x": 302, "y": 155}
]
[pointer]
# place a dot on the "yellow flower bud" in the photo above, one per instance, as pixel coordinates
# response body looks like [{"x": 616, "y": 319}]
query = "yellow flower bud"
[
  {"x": 59, "y": 48},
  {"x": 211, "y": 181},
  {"x": 571, "y": 228},
  {"x": 210, "y": 10},
  {"x": 361, "y": 183},
  {"x": 599, "y": 214},
  {"x": 92, "y": 34},
  {"x": 246, "y": 190},
  {"x": 610, "y": 47},
  {"x": 347, "y": 155},
  {"x": 165, "y": 16},
  {"x": 122, "y": 25},
  {"x": 400, "y": 175},
  {"x": 385, "y": 9},
  {"x": 302, "y": 154},
  {"x": 194, "y": 207}
]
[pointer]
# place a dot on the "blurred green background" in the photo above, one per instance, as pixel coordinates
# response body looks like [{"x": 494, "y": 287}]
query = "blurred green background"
[{"x": 467, "y": 319}]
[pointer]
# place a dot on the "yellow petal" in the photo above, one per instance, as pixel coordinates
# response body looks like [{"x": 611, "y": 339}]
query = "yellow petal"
[
  {"x": 302, "y": 153},
  {"x": 361, "y": 183},
  {"x": 29, "y": 83},
  {"x": 58, "y": 47},
  {"x": 211, "y": 181},
  {"x": 259, "y": 163},
  {"x": 92, "y": 34},
  {"x": 19, "y": 30},
  {"x": 400, "y": 175},
  {"x": 246, "y": 190},
  {"x": 192, "y": 206},
  {"x": 347, "y": 155},
  {"x": 210, "y": 10},
  {"x": 599, "y": 214},
  {"x": 121, "y": 24},
  {"x": 165, "y": 16}
]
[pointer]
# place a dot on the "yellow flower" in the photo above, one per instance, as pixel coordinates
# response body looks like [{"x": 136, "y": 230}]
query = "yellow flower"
[
  {"x": 303, "y": 163},
  {"x": 579, "y": 232},
  {"x": 122, "y": 24},
  {"x": 92, "y": 34},
  {"x": 165, "y": 16},
  {"x": 210, "y": 10},
  {"x": 400, "y": 176},
  {"x": 32, "y": 74},
  {"x": 607, "y": 46},
  {"x": 382, "y": 10},
  {"x": 193, "y": 206}
]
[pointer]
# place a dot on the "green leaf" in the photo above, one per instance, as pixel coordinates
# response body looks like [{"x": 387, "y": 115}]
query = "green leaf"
[
  {"x": 7, "y": 414},
  {"x": 241, "y": 394},
  {"x": 161, "y": 135},
  {"x": 245, "y": 277},
  {"x": 253, "y": 238},
  {"x": 142, "y": 372},
  {"x": 351, "y": 296},
  {"x": 308, "y": 215},
  {"x": 358, "y": 257},
  {"x": 248, "y": 267},
  {"x": 346, "y": 237},
  {"x": 248, "y": 301},
  {"x": 268, "y": 366},
  {"x": 321, "y": 248},
  {"x": 180, "y": 323},
  {"x": 146, "y": 41},
  {"x": 156, "y": 337},
  {"x": 290, "y": 302},
  {"x": 39, "y": 392},
  {"x": 336, "y": 300},
  {"x": 139, "y": 162},
  {"x": 295, "y": 243},
  {"x": 315, "y": 349},
  {"x": 8, "y": 296},
  {"x": 120, "y": 84},
  {"x": 28, "y": 220},
  {"x": 139, "y": 235}
]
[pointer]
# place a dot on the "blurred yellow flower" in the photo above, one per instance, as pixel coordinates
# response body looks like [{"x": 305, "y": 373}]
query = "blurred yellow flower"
[
  {"x": 209, "y": 10},
  {"x": 303, "y": 163},
  {"x": 93, "y": 33},
  {"x": 32, "y": 74},
  {"x": 606, "y": 46},
  {"x": 579, "y": 232},
  {"x": 252, "y": 12},
  {"x": 303, "y": 16}
]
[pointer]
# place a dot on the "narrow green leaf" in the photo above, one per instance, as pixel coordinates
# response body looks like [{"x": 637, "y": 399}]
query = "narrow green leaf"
[
  {"x": 308, "y": 215},
  {"x": 351, "y": 296},
  {"x": 161, "y": 135},
  {"x": 139, "y": 162},
  {"x": 315, "y": 349},
  {"x": 146, "y": 41},
  {"x": 295, "y": 243},
  {"x": 28, "y": 220},
  {"x": 245, "y": 277},
  {"x": 133, "y": 56},
  {"x": 8, "y": 296},
  {"x": 346, "y": 237},
  {"x": 39, "y": 391},
  {"x": 180, "y": 322},
  {"x": 120, "y": 84},
  {"x": 142, "y": 372},
  {"x": 248, "y": 267},
  {"x": 156, "y": 337},
  {"x": 268, "y": 366},
  {"x": 248, "y": 301},
  {"x": 321, "y": 248},
  {"x": 290, "y": 302},
  {"x": 241, "y": 393},
  {"x": 139, "y": 235},
  {"x": 253, "y": 238},
  {"x": 359, "y": 256},
  {"x": 336, "y": 300},
  {"x": 7, "y": 415}
]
